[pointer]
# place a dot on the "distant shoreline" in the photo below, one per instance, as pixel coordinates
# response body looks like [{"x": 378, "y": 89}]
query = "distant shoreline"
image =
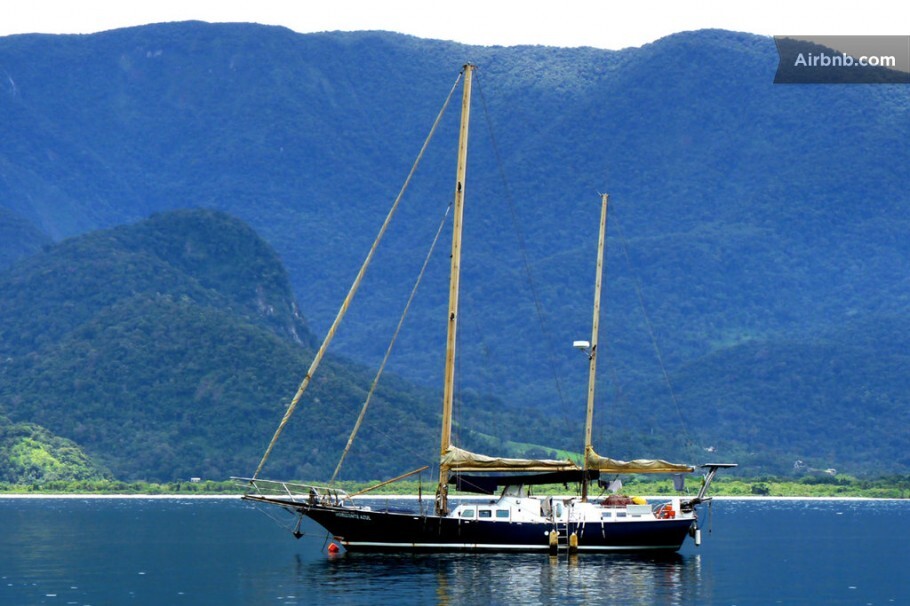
[
  {"x": 185, "y": 497},
  {"x": 87, "y": 495}
]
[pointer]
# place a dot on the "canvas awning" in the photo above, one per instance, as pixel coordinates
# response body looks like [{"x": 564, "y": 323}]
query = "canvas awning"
[
  {"x": 456, "y": 459},
  {"x": 607, "y": 465}
]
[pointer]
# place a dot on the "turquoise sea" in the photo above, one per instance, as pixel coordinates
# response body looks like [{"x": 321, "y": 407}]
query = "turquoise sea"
[{"x": 224, "y": 551}]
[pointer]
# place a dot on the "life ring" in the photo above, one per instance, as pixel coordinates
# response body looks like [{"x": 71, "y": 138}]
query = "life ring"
[{"x": 665, "y": 512}]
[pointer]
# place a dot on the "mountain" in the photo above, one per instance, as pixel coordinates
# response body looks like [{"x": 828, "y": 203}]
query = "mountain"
[
  {"x": 170, "y": 348},
  {"x": 836, "y": 401},
  {"x": 745, "y": 216},
  {"x": 166, "y": 349},
  {"x": 18, "y": 238}
]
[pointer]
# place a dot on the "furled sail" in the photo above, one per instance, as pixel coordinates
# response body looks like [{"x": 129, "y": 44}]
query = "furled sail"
[
  {"x": 594, "y": 461},
  {"x": 456, "y": 459}
]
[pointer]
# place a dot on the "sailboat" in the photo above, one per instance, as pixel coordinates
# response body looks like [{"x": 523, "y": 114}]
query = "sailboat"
[{"x": 516, "y": 520}]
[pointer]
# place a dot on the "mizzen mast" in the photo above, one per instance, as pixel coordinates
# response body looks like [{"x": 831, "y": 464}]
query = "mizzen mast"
[{"x": 592, "y": 352}]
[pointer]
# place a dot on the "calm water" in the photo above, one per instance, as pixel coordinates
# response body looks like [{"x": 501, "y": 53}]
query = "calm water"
[{"x": 154, "y": 551}]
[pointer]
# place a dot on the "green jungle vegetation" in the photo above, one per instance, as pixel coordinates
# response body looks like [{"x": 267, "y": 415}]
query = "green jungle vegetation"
[
  {"x": 31, "y": 455},
  {"x": 170, "y": 349},
  {"x": 756, "y": 237},
  {"x": 812, "y": 486}
]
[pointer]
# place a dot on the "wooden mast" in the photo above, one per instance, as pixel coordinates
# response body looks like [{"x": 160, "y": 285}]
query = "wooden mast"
[
  {"x": 449, "y": 377},
  {"x": 592, "y": 353}
]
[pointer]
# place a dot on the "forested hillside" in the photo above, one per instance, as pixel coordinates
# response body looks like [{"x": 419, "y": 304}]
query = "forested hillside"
[
  {"x": 169, "y": 349},
  {"x": 754, "y": 228},
  {"x": 18, "y": 238},
  {"x": 30, "y": 454}
]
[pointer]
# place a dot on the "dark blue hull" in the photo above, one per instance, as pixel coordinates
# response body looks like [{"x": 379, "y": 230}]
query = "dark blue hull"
[{"x": 362, "y": 530}]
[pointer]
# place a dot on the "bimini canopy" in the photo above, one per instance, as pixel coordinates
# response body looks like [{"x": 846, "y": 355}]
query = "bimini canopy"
[
  {"x": 490, "y": 484},
  {"x": 607, "y": 465}
]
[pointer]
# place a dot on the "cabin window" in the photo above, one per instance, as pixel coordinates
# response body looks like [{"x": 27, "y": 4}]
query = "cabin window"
[
  {"x": 467, "y": 513},
  {"x": 486, "y": 513},
  {"x": 620, "y": 514},
  {"x": 502, "y": 514},
  {"x": 606, "y": 514}
]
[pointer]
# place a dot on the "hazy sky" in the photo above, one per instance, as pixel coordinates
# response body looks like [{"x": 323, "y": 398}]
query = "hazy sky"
[{"x": 599, "y": 23}]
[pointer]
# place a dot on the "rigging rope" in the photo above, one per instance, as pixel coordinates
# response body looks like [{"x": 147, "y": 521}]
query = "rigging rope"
[
  {"x": 366, "y": 403},
  {"x": 353, "y": 290},
  {"x": 660, "y": 358},
  {"x": 529, "y": 276}
]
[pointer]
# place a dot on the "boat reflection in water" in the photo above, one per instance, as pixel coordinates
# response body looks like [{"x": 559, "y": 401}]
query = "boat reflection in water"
[{"x": 524, "y": 578}]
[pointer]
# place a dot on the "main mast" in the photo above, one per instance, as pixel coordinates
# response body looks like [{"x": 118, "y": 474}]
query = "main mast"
[
  {"x": 449, "y": 377},
  {"x": 592, "y": 353}
]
